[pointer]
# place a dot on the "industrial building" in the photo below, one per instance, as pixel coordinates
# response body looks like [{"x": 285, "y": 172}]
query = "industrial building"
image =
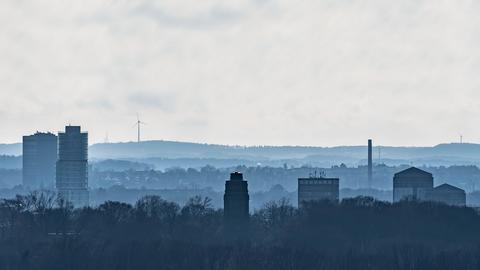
[
  {"x": 317, "y": 188},
  {"x": 72, "y": 166},
  {"x": 39, "y": 159},
  {"x": 236, "y": 202},
  {"x": 448, "y": 194},
  {"x": 417, "y": 184},
  {"x": 412, "y": 183}
]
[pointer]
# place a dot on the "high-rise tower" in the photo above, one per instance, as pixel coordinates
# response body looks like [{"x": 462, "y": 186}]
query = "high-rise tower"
[
  {"x": 39, "y": 159},
  {"x": 72, "y": 166},
  {"x": 236, "y": 202}
]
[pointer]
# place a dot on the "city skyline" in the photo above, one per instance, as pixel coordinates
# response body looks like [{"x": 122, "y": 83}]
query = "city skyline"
[
  {"x": 239, "y": 134},
  {"x": 243, "y": 72}
]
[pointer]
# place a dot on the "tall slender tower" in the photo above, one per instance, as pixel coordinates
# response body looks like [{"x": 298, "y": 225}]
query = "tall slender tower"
[
  {"x": 370, "y": 164},
  {"x": 236, "y": 203},
  {"x": 72, "y": 166},
  {"x": 39, "y": 159}
]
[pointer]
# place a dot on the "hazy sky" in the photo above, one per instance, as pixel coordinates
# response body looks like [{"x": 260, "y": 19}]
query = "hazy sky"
[{"x": 312, "y": 72}]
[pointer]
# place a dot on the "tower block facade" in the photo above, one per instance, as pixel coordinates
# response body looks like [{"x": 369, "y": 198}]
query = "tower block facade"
[
  {"x": 72, "y": 166},
  {"x": 236, "y": 202}
]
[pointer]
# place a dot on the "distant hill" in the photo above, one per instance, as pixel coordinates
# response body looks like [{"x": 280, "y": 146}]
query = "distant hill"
[
  {"x": 14, "y": 149},
  {"x": 171, "y": 152},
  {"x": 443, "y": 154},
  {"x": 120, "y": 165},
  {"x": 169, "y": 149}
]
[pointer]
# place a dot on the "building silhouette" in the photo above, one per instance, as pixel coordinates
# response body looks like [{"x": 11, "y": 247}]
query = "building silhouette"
[
  {"x": 417, "y": 184},
  {"x": 412, "y": 183},
  {"x": 317, "y": 188},
  {"x": 39, "y": 155},
  {"x": 236, "y": 202},
  {"x": 72, "y": 166},
  {"x": 448, "y": 194}
]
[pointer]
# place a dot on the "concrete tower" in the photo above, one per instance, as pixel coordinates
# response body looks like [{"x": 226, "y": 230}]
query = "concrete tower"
[
  {"x": 236, "y": 202},
  {"x": 72, "y": 166}
]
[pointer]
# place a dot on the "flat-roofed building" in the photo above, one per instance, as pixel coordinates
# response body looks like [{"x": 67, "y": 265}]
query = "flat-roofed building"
[
  {"x": 39, "y": 159},
  {"x": 448, "y": 194},
  {"x": 317, "y": 189}
]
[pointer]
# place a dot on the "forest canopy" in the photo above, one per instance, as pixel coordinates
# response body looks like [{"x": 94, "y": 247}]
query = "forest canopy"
[{"x": 38, "y": 231}]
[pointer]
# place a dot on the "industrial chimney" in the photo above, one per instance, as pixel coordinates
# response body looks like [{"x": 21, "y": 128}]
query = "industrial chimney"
[{"x": 370, "y": 164}]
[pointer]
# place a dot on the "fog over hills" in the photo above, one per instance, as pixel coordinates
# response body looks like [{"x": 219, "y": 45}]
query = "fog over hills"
[
  {"x": 14, "y": 149},
  {"x": 184, "y": 154}
]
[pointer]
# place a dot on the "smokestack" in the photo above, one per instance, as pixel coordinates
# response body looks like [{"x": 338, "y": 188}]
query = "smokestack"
[{"x": 370, "y": 165}]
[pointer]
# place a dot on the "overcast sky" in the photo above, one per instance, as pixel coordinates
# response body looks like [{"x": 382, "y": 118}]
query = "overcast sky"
[{"x": 250, "y": 72}]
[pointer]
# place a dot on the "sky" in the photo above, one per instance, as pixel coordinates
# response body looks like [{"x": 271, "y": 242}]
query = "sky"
[{"x": 250, "y": 72}]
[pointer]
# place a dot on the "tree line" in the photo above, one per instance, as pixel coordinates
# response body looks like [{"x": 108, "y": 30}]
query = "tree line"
[{"x": 39, "y": 231}]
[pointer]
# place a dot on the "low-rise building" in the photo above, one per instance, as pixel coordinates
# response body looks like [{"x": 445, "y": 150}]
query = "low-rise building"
[
  {"x": 416, "y": 184},
  {"x": 317, "y": 189},
  {"x": 448, "y": 194}
]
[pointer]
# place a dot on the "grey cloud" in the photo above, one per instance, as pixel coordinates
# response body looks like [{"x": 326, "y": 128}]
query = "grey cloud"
[
  {"x": 214, "y": 17},
  {"x": 164, "y": 102},
  {"x": 99, "y": 103},
  {"x": 324, "y": 68}
]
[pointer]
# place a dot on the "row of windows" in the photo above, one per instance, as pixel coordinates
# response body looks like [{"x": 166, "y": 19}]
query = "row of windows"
[{"x": 317, "y": 182}]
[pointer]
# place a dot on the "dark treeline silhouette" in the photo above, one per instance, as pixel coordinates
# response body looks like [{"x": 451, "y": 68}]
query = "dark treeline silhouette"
[{"x": 37, "y": 231}]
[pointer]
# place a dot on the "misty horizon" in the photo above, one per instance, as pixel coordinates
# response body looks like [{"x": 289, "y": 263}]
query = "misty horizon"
[{"x": 359, "y": 144}]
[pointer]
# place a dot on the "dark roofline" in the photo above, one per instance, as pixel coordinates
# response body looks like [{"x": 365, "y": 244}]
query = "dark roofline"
[
  {"x": 445, "y": 185},
  {"x": 318, "y": 178},
  {"x": 413, "y": 169}
]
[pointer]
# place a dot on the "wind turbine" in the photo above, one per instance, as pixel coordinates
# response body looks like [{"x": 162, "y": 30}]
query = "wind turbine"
[
  {"x": 138, "y": 124},
  {"x": 106, "y": 138}
]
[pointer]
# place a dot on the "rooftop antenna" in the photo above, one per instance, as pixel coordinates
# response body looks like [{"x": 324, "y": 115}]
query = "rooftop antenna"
[{"x": 138, "y": 124}]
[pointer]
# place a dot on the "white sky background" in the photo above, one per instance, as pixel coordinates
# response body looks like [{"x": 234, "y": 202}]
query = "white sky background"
[{"x": 276, "y": 72}]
